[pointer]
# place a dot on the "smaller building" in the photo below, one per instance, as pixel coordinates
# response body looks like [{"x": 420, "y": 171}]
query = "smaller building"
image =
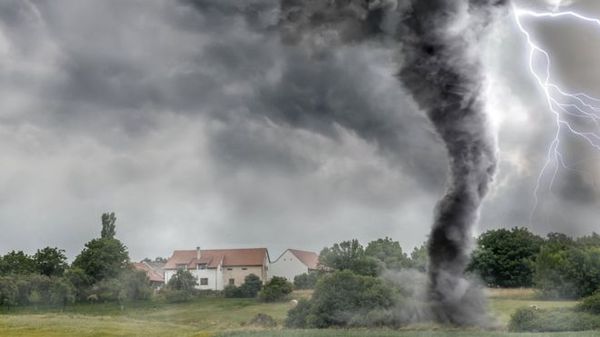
[
  {"x": 294, "y": 262},
  {"x": 154, "y": 272},
  {"x": 216, "y": 268}
]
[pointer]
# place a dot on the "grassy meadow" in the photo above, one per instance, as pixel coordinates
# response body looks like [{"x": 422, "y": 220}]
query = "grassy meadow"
[{"x": 229, "y": 318}]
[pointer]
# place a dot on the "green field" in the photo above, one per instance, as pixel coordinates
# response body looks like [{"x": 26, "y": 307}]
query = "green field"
[{"x": 226, "y": 317}]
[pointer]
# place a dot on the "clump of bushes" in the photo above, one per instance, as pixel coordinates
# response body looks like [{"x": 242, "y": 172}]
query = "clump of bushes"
[
  {"x": 344, "y": 299},
  {"x": 263, "y": 321},
  {"x": 277, "y": 289},
  {"x": 35, "y": 289},
  {"x": 180, "y": 288},
  {"x": 306, "y": 280},
  {"x": 249, "y": 289},
  {"x": 590, "y": 304},
  {"x": 552, "y": 320}
]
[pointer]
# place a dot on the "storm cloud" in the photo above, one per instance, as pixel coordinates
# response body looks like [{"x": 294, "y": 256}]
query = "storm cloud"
[{"x": 199, "y": 124}]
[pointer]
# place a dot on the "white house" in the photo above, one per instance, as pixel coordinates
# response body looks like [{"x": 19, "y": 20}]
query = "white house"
[
  {"x": 216, "y": 268},
  {"x": 294, "y": 262}
]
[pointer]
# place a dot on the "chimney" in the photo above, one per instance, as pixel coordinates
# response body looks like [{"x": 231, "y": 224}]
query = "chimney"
[{"x": 198, "y": 253}]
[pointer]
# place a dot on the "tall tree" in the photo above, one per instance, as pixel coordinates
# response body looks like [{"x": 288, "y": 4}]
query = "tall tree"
[
  {"x": 108, "y": 225},
  {"x": 104, "y": 257}
]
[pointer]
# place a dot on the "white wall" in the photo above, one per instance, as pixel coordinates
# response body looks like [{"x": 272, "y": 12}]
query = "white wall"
[
  {"x": 214, "y": 276},
  {"x": 288, "y": 266}
]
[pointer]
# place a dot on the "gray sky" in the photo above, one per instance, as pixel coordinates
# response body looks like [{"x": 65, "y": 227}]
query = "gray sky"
[{"x": 197, "y": 126}]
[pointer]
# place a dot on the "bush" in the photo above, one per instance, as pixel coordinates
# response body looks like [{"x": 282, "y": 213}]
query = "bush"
[
  {"x": 590, "y": 304},
  {"x": 552, "y": 320},
  {"x": 181, "y": 287},
  {"x": 306, "y": 280},
  {"x": 568, "y": 271},
  {"x": 344, "y": 299},
  {"x": 176, "y": 296},
  {"x": 182, "y": 280},
  {"x": 263, "y": 321},
  {"x": 276, "y": 289},
  {"x": 135, "y": 285},
  {"x": 251, "y": 287},
  {"x": 8, "y": 292},
  {"x": 231, "y": 291},
  {"x": 298, "y": 315},
  {"x": 523, "y": 319}
]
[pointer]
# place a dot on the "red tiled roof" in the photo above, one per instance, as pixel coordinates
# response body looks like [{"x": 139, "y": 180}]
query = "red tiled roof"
[
  {"x": 213, "y": 257},
  {"x": 153, "y": 275},
  {"x": 310, "y": 259}
]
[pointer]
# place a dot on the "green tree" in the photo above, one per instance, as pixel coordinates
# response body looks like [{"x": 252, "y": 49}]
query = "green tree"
[
  {"x": 17, "y": 262},
  {"x": 108, "y": 226},
  {"x": 306, "y": 280},
  {"x": 181, "y": 287},
  {"x": 342, "y": 299},
  {"x": 568, "y": 269},
  {"x": 251, "y": 286},
  {"x": 506, "y": 258},
  {"x": 182, "y": 280},
  {"x": 102, "y": 258},
  {"x": 8, "y": 291},
  {"x": 388, "y": 252},
  {"x": 419, "y": 258},
  {"x": 349, "y": 255},
  {"x": 105, "y": 257},
  {"x": 50, "y": 261},
  {"x": 276, "y": 289}
]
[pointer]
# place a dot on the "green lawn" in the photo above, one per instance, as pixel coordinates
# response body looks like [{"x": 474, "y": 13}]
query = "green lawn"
[
  {"x": 365, "y": 333},
  {"x": 210, "y": 317}
]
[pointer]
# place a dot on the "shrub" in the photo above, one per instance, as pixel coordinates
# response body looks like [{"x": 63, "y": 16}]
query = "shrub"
[
  {"x": 182, "y": 280},
  {"x": 523, "y": 319},
  {"x": 8, "y": 292},
  {"x": 276, "y": 289},
  {"x": 181, "y": 287},
  {"x": 306, "y": 280},
  {"x": 552, "y": 320},
  {"x": 569, "y": 271},
  {"x": 231, "y": 291},
  {"x": 263, "y": 321},
  {"x": 342, "y": 299},
  {"x": 135, "y": 285},
  {"x": 62, "y": 292},
  {"x": 298, "y": 315},
  {"x": 590, "y": 304},
  {"x": 251, "y": 287},
  {"x": 176, "y": 296}
]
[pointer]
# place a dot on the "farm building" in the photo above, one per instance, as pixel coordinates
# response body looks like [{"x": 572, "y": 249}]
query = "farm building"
[
  {"x": 294, "y": 262},
  {"x": 216, "y": 268}
]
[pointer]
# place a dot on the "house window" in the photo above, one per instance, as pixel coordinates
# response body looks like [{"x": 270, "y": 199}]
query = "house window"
[
  {"x": 229, "y": 268},
  {"x": 201, "y": 266},
  {"x": 231, "y": 281},
  {"x": 204, "y": 281},
  {"x": 244, "y": 268}
]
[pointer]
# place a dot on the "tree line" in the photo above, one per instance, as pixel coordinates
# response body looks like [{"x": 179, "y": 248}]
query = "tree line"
[
  {"x": 101, "y": 272},
  {"x": 350, "y": 291}
]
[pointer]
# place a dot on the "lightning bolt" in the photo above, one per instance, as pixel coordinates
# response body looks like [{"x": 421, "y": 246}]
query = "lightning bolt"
[{"x": 566, "y": 107}]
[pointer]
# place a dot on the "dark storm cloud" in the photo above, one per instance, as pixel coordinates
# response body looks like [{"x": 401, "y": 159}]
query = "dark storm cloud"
[{"x": 198, "y": 124}]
